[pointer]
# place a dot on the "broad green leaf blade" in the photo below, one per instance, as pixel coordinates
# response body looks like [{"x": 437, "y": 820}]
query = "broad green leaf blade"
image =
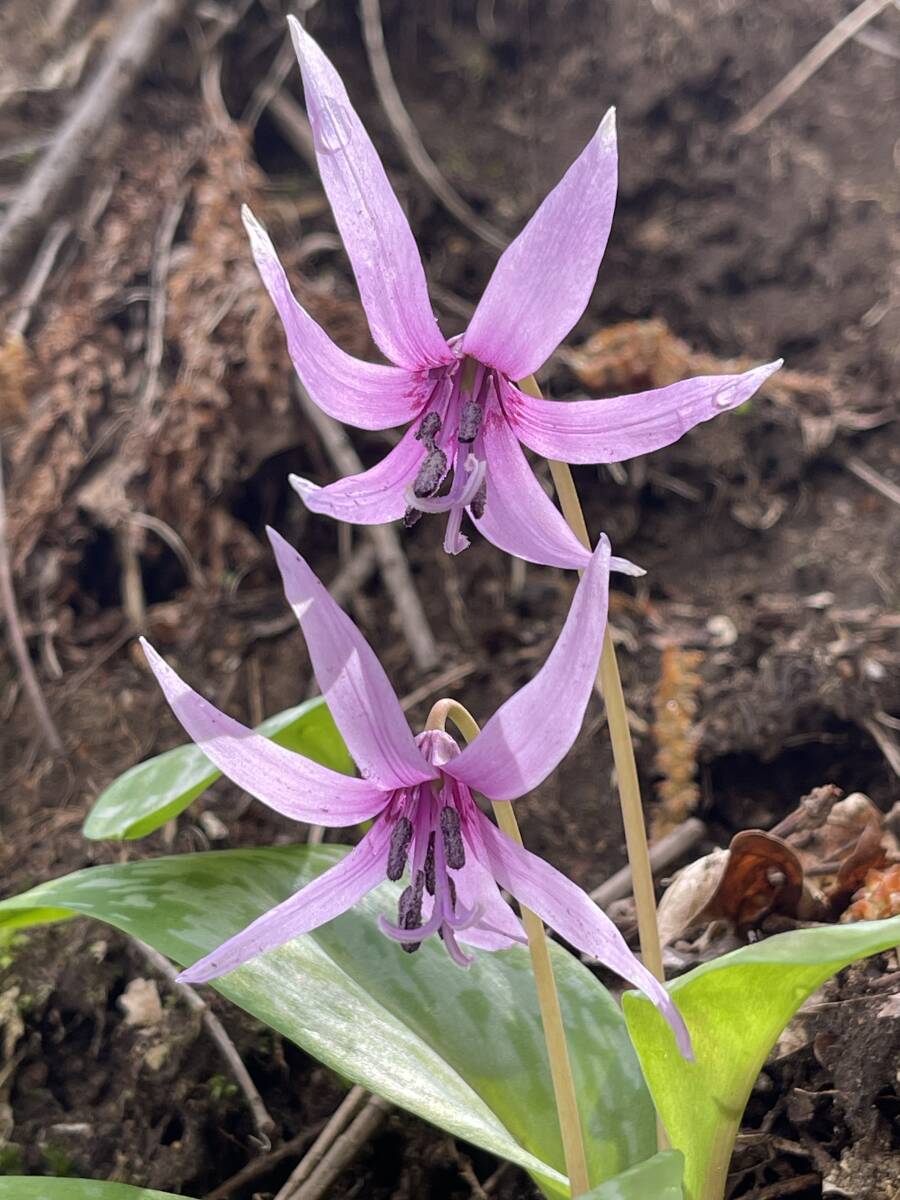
[
  {"x": 735, "y": 1008},
  {"x": 152, "y": 792},
  {"x": 658, "y": 1178},
  {"x": 18, "y": 1187},
  {"x": 463, "y": 1049}
]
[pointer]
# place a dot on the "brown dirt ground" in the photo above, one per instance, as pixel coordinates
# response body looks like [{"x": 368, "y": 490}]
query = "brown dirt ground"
[{"x": 779, "y": 243}]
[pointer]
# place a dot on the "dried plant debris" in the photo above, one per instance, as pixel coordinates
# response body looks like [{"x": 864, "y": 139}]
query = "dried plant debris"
[
  {"x": 804, "y": 871},
  {"x": 675, "y": 705}
]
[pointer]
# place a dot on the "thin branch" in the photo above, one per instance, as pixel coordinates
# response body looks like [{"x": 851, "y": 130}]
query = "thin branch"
[
  {"x": 156, "y": 317},
  {"x": 216, "y": 1030},
  {"x": 846, "y": 29},
  {"x": 294, "y": 124},
  {"x": 269, "y": 87},
  {"x": 34, "y": 285},
  {"x": 408, "y": 136},
  {"x": 391, "y": 559},
  {"x": 338, "y": 1122},
  {"x": 10, "y": 611},
  {"x": 141, "y": 31},
  {"x": 663, "y": 854},
  {"x": 345, "y": 1147},
  {"x": 264, "y": 1163},
  {"x": 873, "y": 478}
]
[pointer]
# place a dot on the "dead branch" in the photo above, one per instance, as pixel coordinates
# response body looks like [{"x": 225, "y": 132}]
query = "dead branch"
[
  {"x": 663, "y": 853},
  {"x": 264, "y": 1163},
  {"x": 846, "y": 29},
  {"x": 216, "y": 1030},
  {"x": 337, "y": 1145},
  {"x": 10, "y": 611},
  {"x": 873, "y": 478},
  {"x": 391, "y": 559},
  {"x": 141, "y": 31},
  {"x": 293, "y": 123},
  {"x": 408, "y": 136},
  {"x": 34, "y": 285}
]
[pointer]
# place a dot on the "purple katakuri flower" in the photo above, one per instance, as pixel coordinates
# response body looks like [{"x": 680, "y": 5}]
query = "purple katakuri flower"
[
  {"x": 418, "y": 793},
  {"x": 467, "y": 418}
]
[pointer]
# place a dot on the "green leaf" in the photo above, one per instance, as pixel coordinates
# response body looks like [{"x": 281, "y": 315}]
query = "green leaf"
[
  {"x": 735, "y": 1007},
  {"x": 18, "y": 1187},
  {"x": 152, "y": 792},
  {"x": 463, "y": 1049},
  {"x": 657, "y": 1178}
]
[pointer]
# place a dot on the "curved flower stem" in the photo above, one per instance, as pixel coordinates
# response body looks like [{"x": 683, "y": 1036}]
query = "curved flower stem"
[{"x": 548, "y": 997}]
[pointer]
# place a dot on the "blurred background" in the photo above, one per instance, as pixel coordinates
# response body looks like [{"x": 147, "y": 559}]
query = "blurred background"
[{"x": 149, "y": 421}]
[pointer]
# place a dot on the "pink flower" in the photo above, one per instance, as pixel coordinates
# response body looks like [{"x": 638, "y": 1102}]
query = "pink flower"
[
  {"x": 461, "y": 452},
  {"x": 418, "y": 793}
]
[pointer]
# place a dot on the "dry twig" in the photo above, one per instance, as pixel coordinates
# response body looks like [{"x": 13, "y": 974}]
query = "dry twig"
[
  {"x": 846, "y": 29},
  {"x": 873, "y": 478},
  {"x": 337, "y": 1145},
  {"x": 216, "y": 1030},
  {"x": 264, "y": 1162},
  {"x": 141, "y": 31},
  {"x": 391, "y": 559},
  {"x": 662, "y": 854},
  {"x": 10, "y": 611},
  {"x": 408, "y": 136}
]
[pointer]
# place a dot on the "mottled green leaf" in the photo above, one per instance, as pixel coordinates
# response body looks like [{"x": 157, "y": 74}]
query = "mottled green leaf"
[
  {"x": 463, "y": 1049},
  {"x": 18, "y": 1187}
]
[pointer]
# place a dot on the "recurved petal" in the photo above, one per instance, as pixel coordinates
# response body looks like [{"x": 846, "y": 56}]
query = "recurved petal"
[
  {"x": 367, "y": 395},
  {"x": 497, "y": 926},
  {"x": 604, "y": 431},
  {"x": 325, "y": 898},
  {"x": 373, "y": 497},
  {"x": 280, "y": 778},
  {"x": 532, "y": 731},
  {"x": 544, "y": 279},
  {"x": 571, "y": 912},
  {"x": 356, "y": 689},
  {"x": 376, "y": 233}
]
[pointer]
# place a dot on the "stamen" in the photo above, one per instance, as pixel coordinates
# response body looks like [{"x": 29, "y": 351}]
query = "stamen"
[
  {"x": 401, "y": 836},
  {"x": 411, "y": 517},
  {"x": 409, "y": 911},
  {"x": 430, "y": 877},
  {"x": 479, "y": 500},
  {"x": 452, "y": 886},
  {"x": 454, "y": 849},
  {"x": 429, "y": 429},
  {"x": 431, "y": 472},
  {"x": 470, "y": 421}
]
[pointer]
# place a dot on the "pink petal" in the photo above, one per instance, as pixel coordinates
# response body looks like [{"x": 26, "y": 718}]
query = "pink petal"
[
  {"x": 497, "y": 926},
  {"x": 544, "y": 279},
  {"x": 325, "y": 898},
  {"x": 533, "y": 731},
  {"x": 376, "y": 233},
  {"x": 571, "y": 912},
  {"x": 604, "y": 431},
  {"x": 353, "y": 682},
  {"x": 372, "y": 497},
  {"x": 285, "y": 781},
  {"x": 519, "y": 517},
  {"x": 367, "y": 395}
]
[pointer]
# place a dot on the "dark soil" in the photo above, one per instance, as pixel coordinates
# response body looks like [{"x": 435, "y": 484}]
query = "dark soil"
[{"x": 763, "y": 548}]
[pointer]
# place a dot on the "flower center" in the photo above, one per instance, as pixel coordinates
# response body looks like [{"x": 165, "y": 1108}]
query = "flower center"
[
  {"x": 451, "y": 477},
  {"x": 427, "y": 835}
]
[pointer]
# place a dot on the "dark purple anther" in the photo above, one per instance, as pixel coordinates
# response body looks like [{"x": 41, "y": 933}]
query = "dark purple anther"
[
  {"x": 401, "y": 836},
  {"x": 478, "y": 502},
  {"x": 470, "y": 421},
  {"x": 409, "y": 910},
  {"x": 411, "y": 517},
  {"x": 454, "y": 851},
  {"x": 431, "y": 472},
  {"x": 429, "y": 429},
  {"x": 429, "y": 866}
]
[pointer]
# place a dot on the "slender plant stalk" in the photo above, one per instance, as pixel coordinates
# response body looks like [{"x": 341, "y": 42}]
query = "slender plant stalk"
[
  {"x": 609, "y": 687},
  {"x": 548, "y": 997}
]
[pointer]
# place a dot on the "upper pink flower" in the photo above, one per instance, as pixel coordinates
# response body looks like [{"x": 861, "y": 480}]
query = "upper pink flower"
[
  {"x": 461, "y": 452},
  {"x": 417, "y": 791}
]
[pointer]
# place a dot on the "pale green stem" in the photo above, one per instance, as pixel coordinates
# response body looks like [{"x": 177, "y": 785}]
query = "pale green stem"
[{"x": 548, "y": 997}]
